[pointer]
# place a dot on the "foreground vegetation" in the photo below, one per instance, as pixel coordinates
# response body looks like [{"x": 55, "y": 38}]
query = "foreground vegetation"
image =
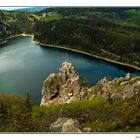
[{"x": 18, "y": 114}]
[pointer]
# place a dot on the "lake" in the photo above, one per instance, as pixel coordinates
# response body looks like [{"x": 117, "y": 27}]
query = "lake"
[{"x": 25, "y": 65}]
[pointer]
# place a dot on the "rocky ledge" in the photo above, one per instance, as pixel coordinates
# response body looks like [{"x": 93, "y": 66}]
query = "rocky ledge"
[{"x": 67, "y": 86}]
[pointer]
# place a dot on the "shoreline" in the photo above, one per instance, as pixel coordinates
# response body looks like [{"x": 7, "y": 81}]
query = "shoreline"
[
  {"x": 88, "y": 54},
  {"x": 73, "y": 50},
  {"x": 3, "y": 42},
  {"x": 16, "y": 36},
  {"x": 19, "y": 35}
]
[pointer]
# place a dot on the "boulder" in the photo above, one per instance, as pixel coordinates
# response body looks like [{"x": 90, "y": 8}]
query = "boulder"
[
  {"x": 57, "y": 126},
  {"x": 124, "y": 83},
  {"x": 87, "y": 129},
  {"x": 65, "y": 125},
  {"x": 128, "y": 76},
  {"x": 71, "y": 125}
]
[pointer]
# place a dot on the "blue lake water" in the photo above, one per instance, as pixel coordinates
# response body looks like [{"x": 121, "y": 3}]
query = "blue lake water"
[{"x": 25, "y": 65}]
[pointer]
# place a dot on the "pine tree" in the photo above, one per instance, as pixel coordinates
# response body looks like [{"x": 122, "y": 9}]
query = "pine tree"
[{"x": 28, "y": 103}]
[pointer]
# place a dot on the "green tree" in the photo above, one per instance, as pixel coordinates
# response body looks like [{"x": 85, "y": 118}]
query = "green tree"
[{"x": 28, "y": 103}]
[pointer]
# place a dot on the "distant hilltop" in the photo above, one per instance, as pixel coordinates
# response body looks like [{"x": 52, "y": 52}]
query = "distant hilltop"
[{"x": 31, "y": 9}]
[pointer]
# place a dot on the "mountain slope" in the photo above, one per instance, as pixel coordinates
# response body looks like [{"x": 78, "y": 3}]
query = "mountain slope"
[{"x": 32, "y": 9}]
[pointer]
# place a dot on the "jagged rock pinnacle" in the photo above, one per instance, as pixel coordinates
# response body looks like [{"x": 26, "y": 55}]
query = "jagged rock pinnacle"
[{"x": 64, "y": 86}]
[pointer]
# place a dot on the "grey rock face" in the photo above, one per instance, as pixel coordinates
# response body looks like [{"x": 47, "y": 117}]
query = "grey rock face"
[
  {"x": 57, "y": 126},
  {"x": 65, "y": 125},
  {"x": 119, "y": 88},
  {"x": 128, "y": 92},
  {"x": 63, "y": 87}
]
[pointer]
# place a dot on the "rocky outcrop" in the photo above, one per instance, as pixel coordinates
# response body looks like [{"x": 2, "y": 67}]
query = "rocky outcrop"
[
  {"x": 67, "y": 86},
  {"x": 63, "y": 87},
  {"x": 118, "y": 88},
  {"x": 65, "y": 125}
]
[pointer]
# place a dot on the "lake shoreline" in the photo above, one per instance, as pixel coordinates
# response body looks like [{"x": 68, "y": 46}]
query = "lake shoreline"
[
  {"x": 73, "y": 50},
  {"x": 16, "y": 36},
  {"x": 88, "y": 54}
]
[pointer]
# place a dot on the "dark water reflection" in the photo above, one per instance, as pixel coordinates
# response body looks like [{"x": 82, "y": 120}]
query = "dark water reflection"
[{"x": 25, "y": 65}]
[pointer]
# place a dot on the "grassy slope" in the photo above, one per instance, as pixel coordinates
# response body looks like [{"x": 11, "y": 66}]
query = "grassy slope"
[{"x": 50, "y": 17}]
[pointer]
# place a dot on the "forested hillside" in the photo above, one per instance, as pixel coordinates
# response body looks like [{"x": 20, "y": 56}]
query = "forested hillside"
[
  {"x": 13, "y": 22},
  {"x": 110, "y": 33}
]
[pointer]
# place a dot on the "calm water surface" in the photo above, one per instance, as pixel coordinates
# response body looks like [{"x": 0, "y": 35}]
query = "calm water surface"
[{"x": 25, "y": 65}]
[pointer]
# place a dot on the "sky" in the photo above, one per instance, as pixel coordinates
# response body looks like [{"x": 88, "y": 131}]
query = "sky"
[{"x": 11, "y": 8}]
